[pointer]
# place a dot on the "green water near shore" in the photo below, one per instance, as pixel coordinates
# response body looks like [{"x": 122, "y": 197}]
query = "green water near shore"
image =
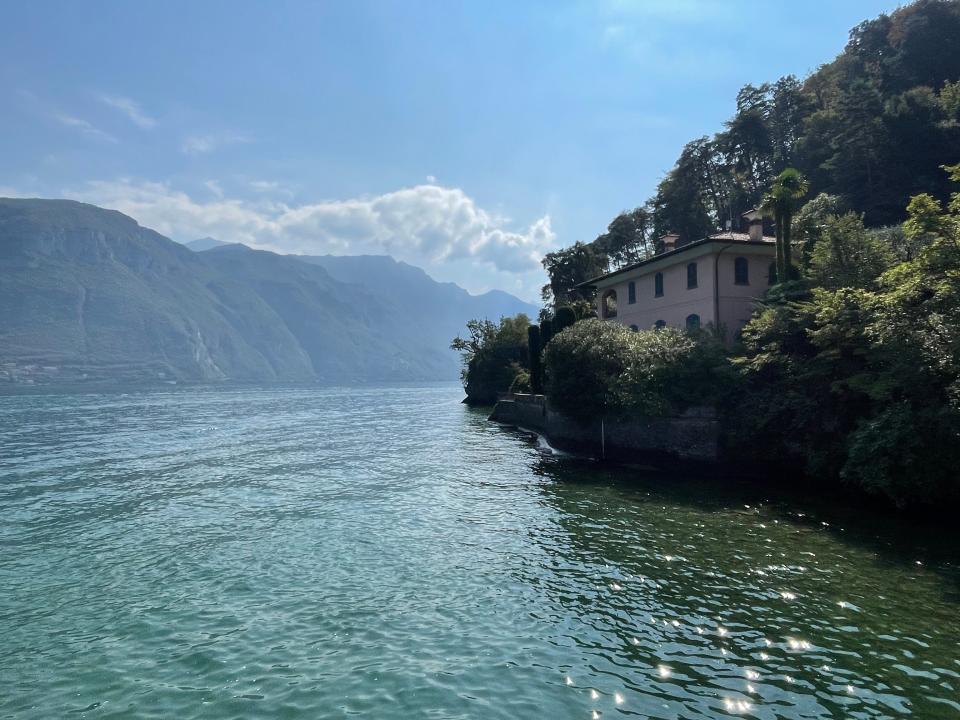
[{"x": 387, "y": 553}]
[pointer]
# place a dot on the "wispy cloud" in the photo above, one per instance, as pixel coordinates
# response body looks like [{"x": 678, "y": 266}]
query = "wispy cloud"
[
  {"x": 203, "y": 144},
  {"x": 214, "y": 187},
  {"x": 264, "y": 186},
  {"x": 84, "y": 126},
  {"x": 129, "y": 108}
]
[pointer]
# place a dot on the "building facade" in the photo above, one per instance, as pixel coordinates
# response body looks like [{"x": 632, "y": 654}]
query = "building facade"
[{"x": 714, "y": 282}]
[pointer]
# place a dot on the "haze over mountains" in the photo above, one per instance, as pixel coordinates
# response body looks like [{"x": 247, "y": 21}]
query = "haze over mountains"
[{"x": 89, "y": 294}]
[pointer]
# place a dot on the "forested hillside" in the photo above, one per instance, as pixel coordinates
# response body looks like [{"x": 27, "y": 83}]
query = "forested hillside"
[{"x": 871, "y": 128}]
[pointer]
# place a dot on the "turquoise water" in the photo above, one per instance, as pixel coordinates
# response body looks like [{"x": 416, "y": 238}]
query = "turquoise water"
[{"x": 387, "y": 553}]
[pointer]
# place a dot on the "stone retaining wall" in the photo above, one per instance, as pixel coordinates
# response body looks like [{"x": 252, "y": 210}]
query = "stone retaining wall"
[{"x": 693, "y": 436}]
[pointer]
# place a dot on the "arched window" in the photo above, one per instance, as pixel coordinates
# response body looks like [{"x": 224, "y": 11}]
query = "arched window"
[
  {"x": 691, "y": 276},
  {"x": 632, "y": 292},
  {"x": 608, "y": 305},
  {"x": 693, "y": 322},
  {"x": 658, "y": 285},
  {"x": 659, "y": 325},
  {"x": 772, "y": 274},
  {"x": 741, "y": 271},
  {"x": 634, "y": 328}
]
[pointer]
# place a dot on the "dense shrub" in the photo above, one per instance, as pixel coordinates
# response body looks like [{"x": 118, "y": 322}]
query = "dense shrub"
[
  {"x": 863, "y": 383},
  {"x": 848, "y": 255},
  {"x": 521, "y": 381},
  {"x": 597, "y": 368}
]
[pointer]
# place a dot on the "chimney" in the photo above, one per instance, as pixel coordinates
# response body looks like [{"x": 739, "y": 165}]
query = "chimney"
[
  {"x": 669, "y": 242},
  {"x": 755, "y": 218}
]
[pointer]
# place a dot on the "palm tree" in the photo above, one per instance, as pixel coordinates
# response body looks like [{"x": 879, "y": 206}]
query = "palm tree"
[{"x": 781, "y": 201}]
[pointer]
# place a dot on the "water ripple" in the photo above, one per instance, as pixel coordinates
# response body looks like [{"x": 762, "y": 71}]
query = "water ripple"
[{"x": 385, "y": 552}]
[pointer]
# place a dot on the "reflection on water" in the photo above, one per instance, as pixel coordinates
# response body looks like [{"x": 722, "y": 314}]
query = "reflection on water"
[{"x": 306, "y": 552}]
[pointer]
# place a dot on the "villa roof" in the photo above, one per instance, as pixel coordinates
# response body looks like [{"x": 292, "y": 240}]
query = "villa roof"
[
  {"x": 727, "y": 238},
  {"x": 738, "y": 236}
]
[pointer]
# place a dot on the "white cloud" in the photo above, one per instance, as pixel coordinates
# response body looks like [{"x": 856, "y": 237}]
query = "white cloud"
[
  {"x": 424, "y": 224},
  {"x": 85, "y": 127},
  {"x": 202, "y": 144},
  {"x": 131, "y": 109},
  {"x": 431, "y": 179}
]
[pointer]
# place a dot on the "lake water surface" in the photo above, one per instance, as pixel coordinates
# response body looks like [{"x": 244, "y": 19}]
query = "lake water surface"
[{"x": 387, "y": 553}]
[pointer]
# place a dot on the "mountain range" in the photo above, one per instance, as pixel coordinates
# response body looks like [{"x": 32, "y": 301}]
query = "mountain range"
[{"x": 88, "y": 294}]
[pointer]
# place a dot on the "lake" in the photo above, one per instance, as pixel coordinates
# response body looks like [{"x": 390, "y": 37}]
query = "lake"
[{"x": 309, "y": 552}]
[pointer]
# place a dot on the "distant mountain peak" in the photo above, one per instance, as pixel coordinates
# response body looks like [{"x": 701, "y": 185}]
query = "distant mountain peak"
[{"x": 206, "y": 243}]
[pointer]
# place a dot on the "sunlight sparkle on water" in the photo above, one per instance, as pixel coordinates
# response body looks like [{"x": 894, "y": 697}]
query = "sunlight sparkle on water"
[
  {"x": 618, "y": 698},
  {"x": 664, "y": 671},
  {"x": 737, "y": 706},
  {"x": 594, "y": 694},
  {"x": 569, "y": 680}
]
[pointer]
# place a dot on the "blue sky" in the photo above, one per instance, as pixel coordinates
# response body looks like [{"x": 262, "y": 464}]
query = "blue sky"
[{"x": 464, "y": 137}]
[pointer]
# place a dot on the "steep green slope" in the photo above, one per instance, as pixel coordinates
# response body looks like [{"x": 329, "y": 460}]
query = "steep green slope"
[
  {"x": 348, "y": 333},
  {"x": 87, "y": 293}
]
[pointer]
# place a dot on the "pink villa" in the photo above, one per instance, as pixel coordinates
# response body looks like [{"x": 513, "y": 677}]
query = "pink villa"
[{"x": 710, "y": 282}]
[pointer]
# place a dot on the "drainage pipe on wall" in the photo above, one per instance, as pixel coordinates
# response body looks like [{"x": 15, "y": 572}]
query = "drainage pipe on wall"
[{"x": 716, "y": 289}]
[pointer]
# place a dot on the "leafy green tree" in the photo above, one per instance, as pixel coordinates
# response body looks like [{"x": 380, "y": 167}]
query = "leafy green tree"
[
  {"x": 569, "y": 267},
  {"x": 493, "y": 354},
  {"x": 811, "y": 221},
  {"x": 848, "y": 255},
  {"x": 681, "y": 203},
  {"x": 628, "y": 238}
]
